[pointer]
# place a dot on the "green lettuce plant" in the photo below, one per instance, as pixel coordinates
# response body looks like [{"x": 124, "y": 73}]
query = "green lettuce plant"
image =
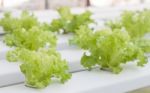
[
  {"x": 108, "y": 49},
  {"x": 40, "y": 67}
]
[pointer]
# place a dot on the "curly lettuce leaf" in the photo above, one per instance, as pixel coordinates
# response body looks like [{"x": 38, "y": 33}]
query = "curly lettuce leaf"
[
  {"x": 40, "y": 67},
  {"x": 65, "y": 13},
  {"x": 83, "y": 35},
  {"x": 137, "y": 24},
  {"x": 10, "y": 23},
  {"x": 31, "y": 39},
  {"x": 28, "y": 20},
  {"x": 108, "y": 49},
  {"x": 69, "y": 22}
]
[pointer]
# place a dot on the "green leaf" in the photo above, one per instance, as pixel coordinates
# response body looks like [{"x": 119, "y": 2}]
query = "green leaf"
[
  {"x": 41, "y": 67},
  {"x": 69, "y": 22},
  {"x": 32, "y": 39},
  {"x": 10, "y": 23},
  {"x": 137, "y": 24},
  {"x": 108, "y": 49}
]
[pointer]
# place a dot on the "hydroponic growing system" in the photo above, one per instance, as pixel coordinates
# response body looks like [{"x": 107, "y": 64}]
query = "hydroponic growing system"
[{"x": 75, "y": 50}]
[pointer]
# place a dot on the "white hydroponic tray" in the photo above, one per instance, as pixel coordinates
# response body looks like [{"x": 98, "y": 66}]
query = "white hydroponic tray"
[
  {"x": 94, "y": 81},
  {"x": 81, "y": 82}
]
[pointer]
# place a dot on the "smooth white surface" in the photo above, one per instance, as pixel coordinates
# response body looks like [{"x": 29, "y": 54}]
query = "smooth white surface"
[
  {"x": 3, "y": 50},
  {"x": 73, "y": 57},
  {"x": 63, "y": 42},
  {"x": 10, "y": 73},
  {"x": 95, "y": 81}
]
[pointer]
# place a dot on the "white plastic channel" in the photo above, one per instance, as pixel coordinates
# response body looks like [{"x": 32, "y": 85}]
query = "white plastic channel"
[{"x": 94, "y": 81}]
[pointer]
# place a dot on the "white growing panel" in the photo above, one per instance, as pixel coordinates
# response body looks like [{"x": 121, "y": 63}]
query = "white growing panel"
[{"x": 95, "y": 81}]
